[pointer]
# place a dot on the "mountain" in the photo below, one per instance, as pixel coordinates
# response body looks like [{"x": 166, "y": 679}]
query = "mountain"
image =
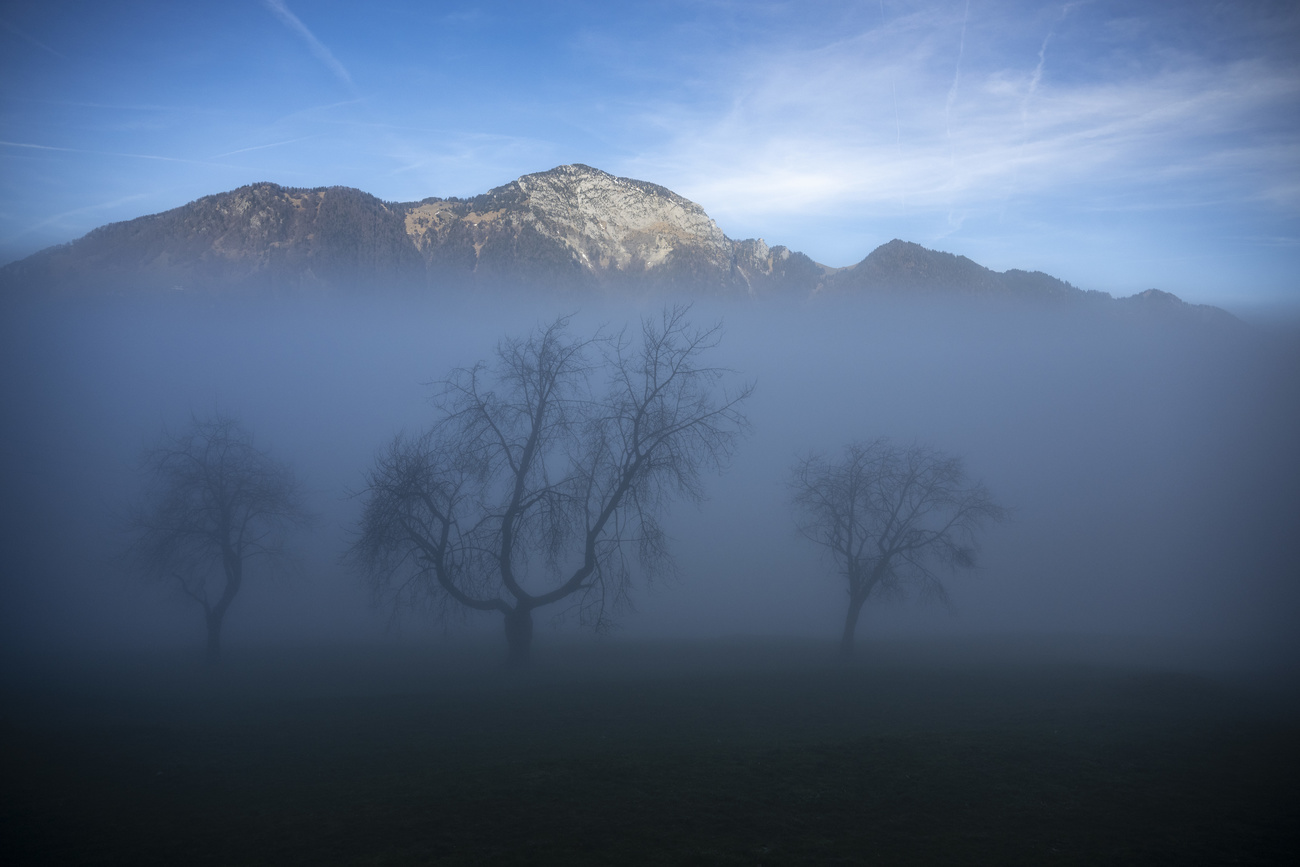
[
  {"x": 256, "y": 237},
  {"x": 902, "y": 267},
  {"x": 573, "y": 228}
]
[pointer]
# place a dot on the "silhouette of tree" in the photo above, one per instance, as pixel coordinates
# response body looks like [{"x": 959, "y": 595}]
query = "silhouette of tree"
[
  {"x": 888, "y": 515},
  {"x": 547, "y": 471},
  {"x": 213, "y": 502}
]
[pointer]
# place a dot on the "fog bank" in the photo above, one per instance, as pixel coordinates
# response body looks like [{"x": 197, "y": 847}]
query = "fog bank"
[{"x": 1150, "y": 465}]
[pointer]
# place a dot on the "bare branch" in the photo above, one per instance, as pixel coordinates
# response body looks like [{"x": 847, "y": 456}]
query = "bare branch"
[
  {"x": 545, "y": 472},
  {"x": 888, "y": 514},
  {"x": 212, "y": 499}
]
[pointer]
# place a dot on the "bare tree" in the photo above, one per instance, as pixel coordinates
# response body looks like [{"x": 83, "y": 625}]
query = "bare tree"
[
  {"x": 547, "y": 471},
  {"x": 889, "y": 515},
  {"x": 213, "y": 501}
]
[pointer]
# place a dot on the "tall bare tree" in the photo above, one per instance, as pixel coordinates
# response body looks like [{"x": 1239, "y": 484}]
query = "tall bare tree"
[
  {"x": 213, "y": 501},
  {"x": 889, "y": 515},
  {"x": 546, "y": 472}
]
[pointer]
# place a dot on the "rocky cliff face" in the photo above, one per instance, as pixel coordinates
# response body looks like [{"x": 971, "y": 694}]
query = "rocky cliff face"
[{"x": 575, "y": 226}]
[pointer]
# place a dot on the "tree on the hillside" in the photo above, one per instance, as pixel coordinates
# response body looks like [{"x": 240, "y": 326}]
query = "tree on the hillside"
[
  {"x": 213, "y": 502},
  {"x": 546, "y": 473},
  {"x": 889, "y": 515}
]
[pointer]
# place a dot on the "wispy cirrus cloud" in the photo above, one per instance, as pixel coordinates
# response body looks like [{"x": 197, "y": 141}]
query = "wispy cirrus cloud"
[
  {"x": 323, "y": 54},
  {"x": 816, "y": 130}
]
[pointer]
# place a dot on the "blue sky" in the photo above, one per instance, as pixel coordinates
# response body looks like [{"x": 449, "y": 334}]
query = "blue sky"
[{"x": 1120, "y": 146}]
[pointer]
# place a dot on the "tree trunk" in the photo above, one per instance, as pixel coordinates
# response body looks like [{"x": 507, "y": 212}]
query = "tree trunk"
[
  {"x": 214, "y": 636},
  {"x": 519, "y": 636},
  {"x": 850, "y": 626},
  {"x": 234, "y": 566}
]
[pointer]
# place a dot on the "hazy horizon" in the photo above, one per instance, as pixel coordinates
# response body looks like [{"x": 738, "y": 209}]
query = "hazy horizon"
[
  {"x": 1119, "y": 147},
  {"x": 1150, "y": 467}
]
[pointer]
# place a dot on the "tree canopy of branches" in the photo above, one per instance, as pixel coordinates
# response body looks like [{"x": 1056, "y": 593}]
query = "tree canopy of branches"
[
  {"x": 547, "y": 470},
  {"x": 213, "y": 501},
  {"x": 889, "y": 515}
]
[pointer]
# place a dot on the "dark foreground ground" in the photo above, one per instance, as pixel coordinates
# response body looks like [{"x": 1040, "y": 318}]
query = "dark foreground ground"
[{"x": 728, "y": 753}]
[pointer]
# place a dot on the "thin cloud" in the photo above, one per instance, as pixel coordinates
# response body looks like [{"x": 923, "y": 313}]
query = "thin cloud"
[
  {"x": 260, "y": 147},
  {"x": 323, "y": 54},
  {"x": 58, "y": 218},
  {"x": 1270, "y": 241},
  {"x": 29, "y": 38},
  {"x": 23, "y": 144},
  {"x": 956, "y": 75},
  {"x": 71, "y": 103},
  {"x": 815, "y": 133},
  {"x": 41, "y": 147}
]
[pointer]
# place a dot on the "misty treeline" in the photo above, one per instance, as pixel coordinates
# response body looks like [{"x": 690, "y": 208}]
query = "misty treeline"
[
  {"x": 542, "y": 481},
  {"x": 1151, "y": 467}
]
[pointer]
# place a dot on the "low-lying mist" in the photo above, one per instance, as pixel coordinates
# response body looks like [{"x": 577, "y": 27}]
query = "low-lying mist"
[{"x": 1150, "y": 466}]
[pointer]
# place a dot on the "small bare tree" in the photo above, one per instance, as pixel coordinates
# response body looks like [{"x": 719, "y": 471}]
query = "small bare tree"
[
  {"x": 546, "y": 469},
  {"x": 212, "y": 502},
  {"x": 888, "y": 515}
]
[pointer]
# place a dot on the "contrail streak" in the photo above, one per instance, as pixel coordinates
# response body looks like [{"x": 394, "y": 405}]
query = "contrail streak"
[
  {"x": 57, "y": 217},
  {"x": 1042, "y": 61},
  {"x": 952, "y": 91},
  {"x": 1034, "y": 79},
  {"x": 40, "y": 147},
  {"x": 33, "y": 40},
  {"x": 323, "y": 54},
  {"x": 1029, "y": 94},
  {"x": 274, "y": 144},
  {"x": 22, "y": 144},
  {"x": 898, "y": 129}
]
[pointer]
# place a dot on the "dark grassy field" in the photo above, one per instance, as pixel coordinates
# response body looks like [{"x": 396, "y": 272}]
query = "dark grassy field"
[{"x": 730, "y": 753}]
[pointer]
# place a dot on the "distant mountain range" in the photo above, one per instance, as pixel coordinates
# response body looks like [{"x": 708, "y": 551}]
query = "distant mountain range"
[{"x": 570, "y": 229}]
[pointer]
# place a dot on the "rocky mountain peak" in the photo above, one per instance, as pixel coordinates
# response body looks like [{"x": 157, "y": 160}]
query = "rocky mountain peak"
[{"x": 620, "y": 223}]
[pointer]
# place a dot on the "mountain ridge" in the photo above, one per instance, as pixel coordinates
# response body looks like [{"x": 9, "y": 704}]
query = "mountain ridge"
[{"x": 572, "y": 228}]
